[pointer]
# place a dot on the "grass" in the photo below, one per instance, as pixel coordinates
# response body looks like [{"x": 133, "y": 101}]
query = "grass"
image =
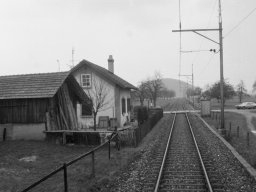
[
  {"x": 254, "y": 121},
  {"x": 230, "y": 103},
  {"x": 15, "y": 175},
  {"x": 238, "y": 141}
]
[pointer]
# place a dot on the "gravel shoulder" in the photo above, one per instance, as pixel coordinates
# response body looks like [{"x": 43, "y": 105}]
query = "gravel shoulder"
[
  {"x": 233, "y": 174},
  {"x": 134, "y": 177},
  {"x": 137, "y": 174}
]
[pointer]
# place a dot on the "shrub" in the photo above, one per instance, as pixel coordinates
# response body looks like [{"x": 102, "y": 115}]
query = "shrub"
[{"x": 141, "y": 113}]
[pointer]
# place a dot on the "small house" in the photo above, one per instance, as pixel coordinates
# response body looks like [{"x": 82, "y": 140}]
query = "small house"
[{"x": 115, "y": 90}]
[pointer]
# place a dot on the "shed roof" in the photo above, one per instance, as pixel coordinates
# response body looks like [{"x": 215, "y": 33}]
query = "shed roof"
[
  {"x": 105, "y": 73},
  {"x": 42, "y": 85}
]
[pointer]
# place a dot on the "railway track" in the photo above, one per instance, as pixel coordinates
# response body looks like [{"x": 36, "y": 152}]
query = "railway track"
[
  {"x": 182, "y": 167},
  {"x": 178, "y": 105}
]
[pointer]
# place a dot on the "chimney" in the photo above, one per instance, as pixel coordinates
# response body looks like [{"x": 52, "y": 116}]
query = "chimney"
[{"x": 111, "y": 64}]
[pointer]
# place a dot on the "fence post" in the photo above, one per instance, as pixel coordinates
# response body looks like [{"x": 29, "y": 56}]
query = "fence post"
[
  {"x": 135, "y": 137},
  {"x": 93, "y": 164},
  {"x": 229, "y": 129},
  {"x": 65, "y": 177},
  {"x": 4, "y": 134},
  {"x": 140, "y": 133},
  {"x": 64, "y": 141},
  {"x": 248, "y": 139},
  {"x": 109, "y": 148},
  {"x": 237, "y": 131}
]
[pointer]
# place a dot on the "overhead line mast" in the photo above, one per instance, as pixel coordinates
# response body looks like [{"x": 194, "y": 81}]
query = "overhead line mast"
[
  {"x": 222, "y": 123},
  {"x": 220, "y": 43},
  {"x": 180, "y": 49}
]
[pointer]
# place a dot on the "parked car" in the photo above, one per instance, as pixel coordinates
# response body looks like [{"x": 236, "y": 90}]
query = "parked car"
[{"x": 246, "y": 105}]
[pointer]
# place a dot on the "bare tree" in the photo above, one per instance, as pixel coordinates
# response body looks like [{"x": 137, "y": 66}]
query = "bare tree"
[
  {"x": 241, "y": 90},
  {"x": 154, "y": 86},
  {"x": 141, "y": 92},
  {"x": 192, "y": 92},
  {"x": 166, "y": 93},
  {"x": 98, "y": 97},
  {"x": 254, "y": 86}
]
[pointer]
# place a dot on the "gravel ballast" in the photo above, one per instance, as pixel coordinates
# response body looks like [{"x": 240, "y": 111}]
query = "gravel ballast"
[
  {"x": 233, "y": 175},
  {"x": 139, "y": 175}
]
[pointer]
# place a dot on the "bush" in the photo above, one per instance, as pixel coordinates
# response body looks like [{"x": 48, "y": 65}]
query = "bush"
[
  {"x": 153, "y": 111},
  {"x": 141, "y": 113},
  {"x": 147, "y": 125}
]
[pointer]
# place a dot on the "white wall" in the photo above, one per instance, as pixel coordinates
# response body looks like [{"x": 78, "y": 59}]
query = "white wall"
[
  {"x": 23, "y": 131},
  {"x": 108, "y": 110}
]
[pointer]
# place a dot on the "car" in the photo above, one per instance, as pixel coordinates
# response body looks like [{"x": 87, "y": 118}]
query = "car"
[{"x": 246, "y": 105}]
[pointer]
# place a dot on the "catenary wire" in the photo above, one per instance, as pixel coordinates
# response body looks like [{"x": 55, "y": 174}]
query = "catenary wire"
[
  {"x": 208, "y": 23},
  {"x": 237, "y": 25}
]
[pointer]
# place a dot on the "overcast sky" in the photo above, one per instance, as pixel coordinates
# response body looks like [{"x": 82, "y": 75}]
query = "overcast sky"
[{"x": 138, "y": 33}]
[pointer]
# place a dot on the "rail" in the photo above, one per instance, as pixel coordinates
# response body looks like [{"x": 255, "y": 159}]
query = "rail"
[
  {"x": 165, "y": 155},
  {"x": 199, "y": 155},
  {"x": 65, "y": 165},
  {"x": 166, "y": 151}
]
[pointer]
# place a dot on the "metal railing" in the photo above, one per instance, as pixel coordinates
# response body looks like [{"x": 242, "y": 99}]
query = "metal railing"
[{"x": 67, "y": 164}]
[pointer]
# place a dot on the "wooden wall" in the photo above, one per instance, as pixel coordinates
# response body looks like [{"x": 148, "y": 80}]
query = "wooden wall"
[
  {"x": 23, "y": 110},
  {"x": 58, "y": 112}
]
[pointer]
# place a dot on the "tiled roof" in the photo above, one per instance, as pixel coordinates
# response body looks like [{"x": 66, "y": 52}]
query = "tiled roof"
[
  {"x": 42, "y": 85},
  {"x": 106, "y": 73}
]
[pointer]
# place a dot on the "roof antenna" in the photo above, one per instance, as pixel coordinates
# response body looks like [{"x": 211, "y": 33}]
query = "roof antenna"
[
  {"x": 73, "y": 53},
  {"x": 58, "y": 64},
  {"x": 72, "y": 59}
]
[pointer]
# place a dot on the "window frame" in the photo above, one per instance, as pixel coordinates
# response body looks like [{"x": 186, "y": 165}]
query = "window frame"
[
  {"x": 85, "y": 115},
  {"x": 123, "y": 106},
  {"x": 128, "y": 103},
  {"x": 88, "y": 77}
]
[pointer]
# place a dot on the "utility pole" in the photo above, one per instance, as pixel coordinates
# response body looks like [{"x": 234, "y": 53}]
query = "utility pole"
[
  {"x": 220, "y": 43},
  {"x": 192, "y": 76},
  {"x": 187, "y": 76},
  {"x": 222, "y": 123},
  {"x": 193, "y": 91},
  {"x": 180, "y": 49}
]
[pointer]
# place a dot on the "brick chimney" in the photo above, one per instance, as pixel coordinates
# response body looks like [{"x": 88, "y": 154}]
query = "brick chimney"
[{"x": 111, "y": 64}]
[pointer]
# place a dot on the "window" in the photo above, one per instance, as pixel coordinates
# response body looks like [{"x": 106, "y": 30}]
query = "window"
[
  {"x": 129, "y": 105},
  {"x": 123, "y": 106},
  {"x": 86, "y": 80},
  {"x": 86, "y": 110}
]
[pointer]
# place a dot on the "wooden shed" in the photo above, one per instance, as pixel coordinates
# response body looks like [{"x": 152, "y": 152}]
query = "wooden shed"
[{"x": 33, "y": 103}]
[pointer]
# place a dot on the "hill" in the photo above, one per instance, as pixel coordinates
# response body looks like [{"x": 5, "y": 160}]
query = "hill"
[{"x": 179, "y": 87}]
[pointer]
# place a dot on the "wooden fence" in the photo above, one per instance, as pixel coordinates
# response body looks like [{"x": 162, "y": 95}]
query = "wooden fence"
[
  {"x": 133, "y": 135},
  {"x": 146, "y": 126}
]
